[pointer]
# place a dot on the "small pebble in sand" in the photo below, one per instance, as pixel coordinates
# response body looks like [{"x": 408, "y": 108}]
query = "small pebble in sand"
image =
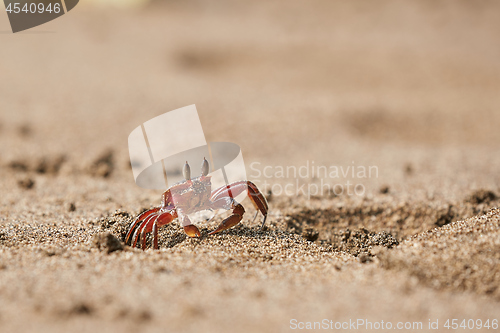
[
  {"x": 25, "y": 130},
  {"x": 18, "y": 165},
  {"x": 364, "y": 258},
  {"x": 49, "y": 165},
  {"x": 409, "y": 169},
  {"x": 26, "y": 183},
  {"x": 81, "y": 309},
  {"x": 384, "y": 189},
  {"x": 310, "y": 234},
  {"x": 481, "y": 196},
  {"x": 103, "y": 166},
  {"x": 107, "y": 241}
]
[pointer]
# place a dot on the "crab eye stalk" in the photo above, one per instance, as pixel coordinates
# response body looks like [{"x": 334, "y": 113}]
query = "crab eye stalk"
[
  {"x": 204, "y": 167},
  {"x": 186, "y": 171}
]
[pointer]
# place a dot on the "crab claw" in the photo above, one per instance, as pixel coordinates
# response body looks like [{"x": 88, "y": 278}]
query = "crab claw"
[
  {"x": 231, "y": 221},
  {"x": 192, "y": 231}
]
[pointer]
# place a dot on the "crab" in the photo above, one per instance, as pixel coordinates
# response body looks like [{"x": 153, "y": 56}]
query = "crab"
[{"x": 191, "y": 196}]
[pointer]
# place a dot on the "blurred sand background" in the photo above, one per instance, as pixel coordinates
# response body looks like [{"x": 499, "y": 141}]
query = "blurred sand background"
[{"x": 411, "y": 87}]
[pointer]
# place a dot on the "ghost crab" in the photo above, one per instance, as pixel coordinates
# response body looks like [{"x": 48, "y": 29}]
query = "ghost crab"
[{"x": 191, "y": 196}]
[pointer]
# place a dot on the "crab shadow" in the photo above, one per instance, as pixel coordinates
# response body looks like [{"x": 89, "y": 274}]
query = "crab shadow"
[
  {"x": 245, "y": 232},
  {"x": 171, "y": 238},
  {"x": 173, "y": 234}
]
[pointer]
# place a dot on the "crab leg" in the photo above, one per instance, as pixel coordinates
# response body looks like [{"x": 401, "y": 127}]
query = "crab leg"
[
  {"x": 148, "y": 225},
  {"x": 142, "y": 242},
  {"x": 155, "y": 235},
  {"x": 138, "y": 221},
  {"x": 140, "y": 228},
  {"x": 163, "y": 219},
  {"x": 258, "y": 200},
  {"x": 235, "y": 189},
  {"x": 232, "y": 220}
]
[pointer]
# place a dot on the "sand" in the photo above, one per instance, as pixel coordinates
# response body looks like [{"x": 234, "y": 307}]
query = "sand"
[{"x": 411, "y": 88}]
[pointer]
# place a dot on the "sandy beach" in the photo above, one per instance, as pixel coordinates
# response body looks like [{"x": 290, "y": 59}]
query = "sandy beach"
[{"x": 409, "y": 89}]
